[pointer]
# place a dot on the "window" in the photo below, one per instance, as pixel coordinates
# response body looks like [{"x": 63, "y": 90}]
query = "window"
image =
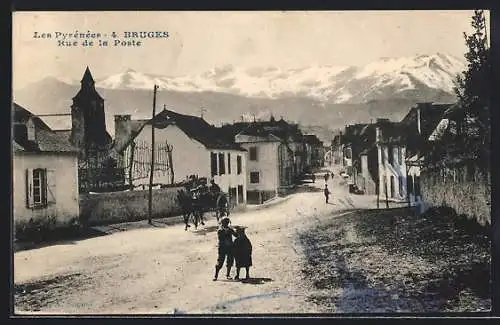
[
  {"x": 254, "y": 177},
  {"x": 222, "y": 164},
  {"x": 229, "y": 163},
  {"x": 391, "y": 155},
  {"x": 40, "y": 187},
  {"x": 253, "y": 153},
  {"x": 238, "y": 164},
  {"x": 401, "y": 192},
  {"x": 240, "y": 193},
  {"x": 400, "y": 156},
  {"x": 213, "y": 163},
  {"x": 348, "y": 153},
  {"x": 392, "y": 187}
]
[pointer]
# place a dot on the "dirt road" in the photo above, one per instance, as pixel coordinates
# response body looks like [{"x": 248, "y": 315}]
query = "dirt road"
[{"x": 159, "y": 270}]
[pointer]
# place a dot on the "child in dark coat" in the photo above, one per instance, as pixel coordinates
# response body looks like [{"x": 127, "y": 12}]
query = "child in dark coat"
[{"x": 242, "y": 252}]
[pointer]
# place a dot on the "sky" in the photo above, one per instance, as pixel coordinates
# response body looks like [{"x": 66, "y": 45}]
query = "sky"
[{"x": 200, "y": 41}]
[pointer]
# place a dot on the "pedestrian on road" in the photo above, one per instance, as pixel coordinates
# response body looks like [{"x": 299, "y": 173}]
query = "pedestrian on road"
[
  {"x": 313, "y": 178},
  {"x": 242, "y": 252},
  {"x": 326, "y": 191},
  {"x": 326, "y": 177},
  {"x": 225, "y": 247}
]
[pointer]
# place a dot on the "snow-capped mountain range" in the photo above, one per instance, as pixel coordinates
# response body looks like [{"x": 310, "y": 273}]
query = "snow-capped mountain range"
[
  {"x": 383, "y": 79},
  {"x": 321, "y": 98}
]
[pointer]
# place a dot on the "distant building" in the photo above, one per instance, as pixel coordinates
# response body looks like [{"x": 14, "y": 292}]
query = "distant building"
[
  {"x": 45, "y": 172},
  {"x": 197, "y": 148},
  {"x": 276, "y": 155},
  {"x": 374, "y": 158},
  {"x": 422, "y": 124},
  {"x": 270, "y": 166},
  {"x": 315, "y": 151},
  {"x": 391, "y": 147}
]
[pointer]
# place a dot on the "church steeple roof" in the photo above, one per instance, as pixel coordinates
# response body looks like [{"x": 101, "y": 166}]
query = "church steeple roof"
[
  {"x": 87, "y": 88},
  {"x": 87, "y": 77}
]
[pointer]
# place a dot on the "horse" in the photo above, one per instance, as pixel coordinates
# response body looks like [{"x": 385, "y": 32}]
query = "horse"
[
  {"x": 190, "y": 207},
  {"x": 221, "y": 206}
]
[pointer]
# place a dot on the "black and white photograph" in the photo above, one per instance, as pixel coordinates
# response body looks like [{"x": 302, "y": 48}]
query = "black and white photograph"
[{"x": 251, "y": 162}]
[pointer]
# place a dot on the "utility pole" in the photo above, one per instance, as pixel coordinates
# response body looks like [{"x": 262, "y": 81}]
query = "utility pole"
[
  {"x": 151, "y": 172},
  {"x": 386, "y": 194},
  {"x": 378, "y": 194}
]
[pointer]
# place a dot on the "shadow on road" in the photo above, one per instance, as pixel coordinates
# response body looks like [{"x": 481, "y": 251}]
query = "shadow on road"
[
  {"x": 256, "y": 280},
  {"x": 63, "y": 237},
  {"x": 345, "y": 254},
  {"x": 205, "y": 230}
]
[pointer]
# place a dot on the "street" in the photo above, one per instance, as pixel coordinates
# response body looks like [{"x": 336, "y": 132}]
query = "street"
[
  {"x": 308, "y": 257},
  {"x": 157, "y": 270}
]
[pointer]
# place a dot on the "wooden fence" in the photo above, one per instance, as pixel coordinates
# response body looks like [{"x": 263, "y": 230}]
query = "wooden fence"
[{"x": 104, "y": 173}]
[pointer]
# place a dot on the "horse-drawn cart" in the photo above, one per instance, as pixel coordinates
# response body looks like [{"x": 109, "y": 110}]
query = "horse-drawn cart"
[{"x": 197, "y": 199}]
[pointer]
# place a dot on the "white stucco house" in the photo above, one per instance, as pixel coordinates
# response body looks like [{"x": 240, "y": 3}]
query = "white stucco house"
[
  {"x": 392, "y": 171},
  {"x": 197, "y": 148},
  {"x": 45, "y": 173},
  {"x": 270, "y": 164}
]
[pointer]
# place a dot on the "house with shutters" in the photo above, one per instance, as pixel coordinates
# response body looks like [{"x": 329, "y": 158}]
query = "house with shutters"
[
  {"x": 422, "y": 124},
  {"x": 45, "y": 172},
  {"x": 195, "y": 146},
  {"x": 270, "y": 165},
  {"x": 374, "y": 154}
]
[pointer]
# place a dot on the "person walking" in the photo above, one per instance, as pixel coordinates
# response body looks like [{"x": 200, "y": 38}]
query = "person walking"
[
  {"x": 313, "y": 178},
  {"x": 242, "y": 252},
  {"x": 326, "y": 191},
  {"x": 225, "y": 247}
]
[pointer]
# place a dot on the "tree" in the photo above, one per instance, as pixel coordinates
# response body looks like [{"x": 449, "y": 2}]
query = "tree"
[{"x": 474, "y": 91}]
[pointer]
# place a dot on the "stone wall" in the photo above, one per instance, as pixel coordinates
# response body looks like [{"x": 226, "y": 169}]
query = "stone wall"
[
  {"x": 115, "y": 207},
  {"x": 464, "y": 188}
]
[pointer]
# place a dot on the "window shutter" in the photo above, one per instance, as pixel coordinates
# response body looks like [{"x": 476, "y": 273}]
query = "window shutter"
[
  {"x": 50, "y": 185},
  {"x": 29, "y": 188},
  {"x": 213, "y": 163}
]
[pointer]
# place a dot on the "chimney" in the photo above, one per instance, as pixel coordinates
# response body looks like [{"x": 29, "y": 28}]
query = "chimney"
[
  {"x": 123, "y": 129},
  {"x": 30, "y": 130}
]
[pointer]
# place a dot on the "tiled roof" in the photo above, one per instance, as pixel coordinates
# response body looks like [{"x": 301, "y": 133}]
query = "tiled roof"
[
  {"x": 312, "y": 139},
  {"x": 430, "y": 116},
  {"x": 196, "y": 128},
  {"x": 46, "y": 140},
  {"x": 66, "y": 134},
  {"x": 392, "y": 132},
  {"x": 16, "y": 146},
  {"x": 84, "y": 91},
  {"x": 281, "y": 129}
]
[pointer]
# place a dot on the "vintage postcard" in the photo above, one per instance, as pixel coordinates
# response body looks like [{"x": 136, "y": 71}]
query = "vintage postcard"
[{"x": 279, "y": 162}]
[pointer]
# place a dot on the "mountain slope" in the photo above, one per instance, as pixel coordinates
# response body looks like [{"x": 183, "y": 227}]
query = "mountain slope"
[
  {"x": 219, "y": 107},
  {"x": 321, "y": 98},
  {"x": 415, "y": 77}
]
